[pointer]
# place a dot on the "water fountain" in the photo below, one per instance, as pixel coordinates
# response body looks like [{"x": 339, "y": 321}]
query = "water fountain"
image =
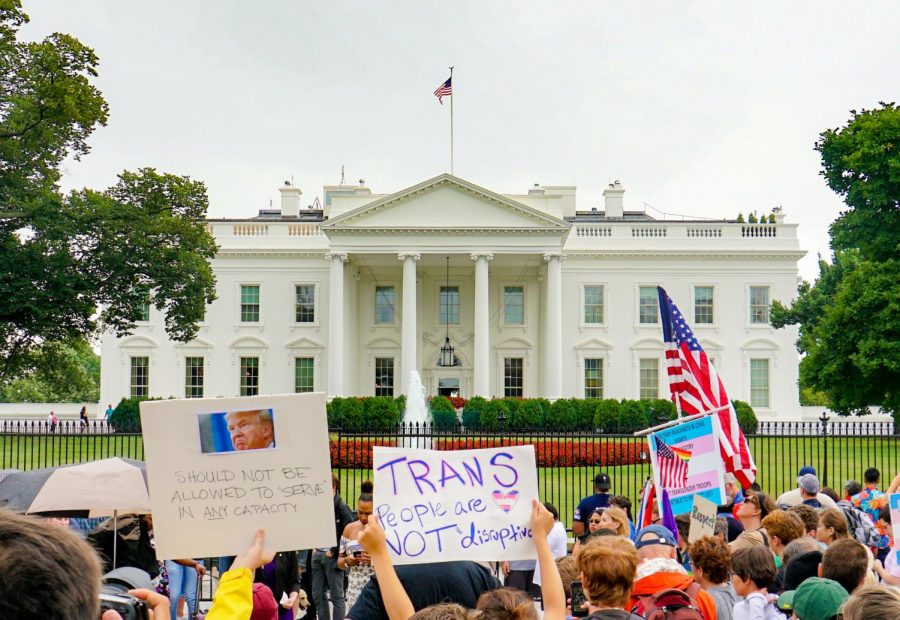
[{"x": 416, "y": 412}]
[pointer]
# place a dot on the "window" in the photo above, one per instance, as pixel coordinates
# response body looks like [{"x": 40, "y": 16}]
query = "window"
[
  {"x": 759, "y": 304},
  {"x": 593, "y": 377},
  {"x": 144, "y": 311},
  {"x": 514, "y": 305},
  {"x": 649, "y": 378},
  {"x": 305, "y": 308},
  {"x": 703, "y": 304},
  {"x": 250, "y": 303},
  {"x": 648, "y": 305},
  {"x": 513, "y": 368},
  {"x": 384, "y": 304},
  {"x": 193, "y": 377},
  {"x": 384, "y": 376},
  {"x": 593, "y": 304},
  {"x": 303, "y": 374},
  {"x": 140, "y": 377},
  {"x": 759, "y": 383},
  {"x": 249, "y": 376},
  {"x": 449, "y": 305}
]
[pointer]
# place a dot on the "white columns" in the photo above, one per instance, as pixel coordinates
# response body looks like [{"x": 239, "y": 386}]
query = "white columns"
[
  {"x": 408, "y": 344},
  {"x": 336, "y": 370},
  {"x": 482, "y": 315},
  {"x": 553, "y": 328}
]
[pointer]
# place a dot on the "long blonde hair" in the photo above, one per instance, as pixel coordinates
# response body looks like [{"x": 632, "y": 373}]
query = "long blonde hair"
[{"x": 621, "y": 518}]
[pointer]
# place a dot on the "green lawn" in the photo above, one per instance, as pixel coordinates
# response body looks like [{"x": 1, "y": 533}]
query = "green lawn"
[{"x": 778, "y": 459}]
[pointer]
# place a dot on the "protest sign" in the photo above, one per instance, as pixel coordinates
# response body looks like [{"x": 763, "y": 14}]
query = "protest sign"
[
  {"x": 696, "y": 444},
  {"x": 440, "y": 506},
  {"x": 894, "y": 503},
  {"x": 703, "y": 518},
  {"x": 219, "y": 468}
]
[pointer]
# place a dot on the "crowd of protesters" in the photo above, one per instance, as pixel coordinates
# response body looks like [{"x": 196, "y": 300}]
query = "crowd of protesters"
[{"x": 811, "y": 554}]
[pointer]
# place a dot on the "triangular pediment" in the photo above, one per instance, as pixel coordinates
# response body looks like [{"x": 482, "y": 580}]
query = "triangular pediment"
[{"x": 448, "y": 203}]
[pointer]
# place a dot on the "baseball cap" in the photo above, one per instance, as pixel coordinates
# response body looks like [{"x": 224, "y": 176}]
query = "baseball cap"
[
  {"x": 806, "y": 469},
  {"x": 852, "y": 487},
  {"x": 661, "y": 536},
  {"x": 814, "y": 599},
  {"x": 603, "y": 482},
  {"x": 264, "y": 605},
  {"x": 809, "y": 483}
]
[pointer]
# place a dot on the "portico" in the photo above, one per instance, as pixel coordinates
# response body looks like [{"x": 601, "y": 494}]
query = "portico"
[{"x": 480, "y": 232}]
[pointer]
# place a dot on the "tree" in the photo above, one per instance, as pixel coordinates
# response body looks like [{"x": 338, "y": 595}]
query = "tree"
[
  {"x": 70, "y": 264},
  {"x": 58, "y": 372},
  {"x": 850, "y": 317}
]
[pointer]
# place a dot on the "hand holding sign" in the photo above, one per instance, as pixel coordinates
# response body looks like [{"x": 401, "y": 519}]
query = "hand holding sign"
[{"x": 440, "y": 506}]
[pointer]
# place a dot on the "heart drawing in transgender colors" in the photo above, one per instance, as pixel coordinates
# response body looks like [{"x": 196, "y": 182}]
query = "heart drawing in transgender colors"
[{"x": 505, "y": 500}]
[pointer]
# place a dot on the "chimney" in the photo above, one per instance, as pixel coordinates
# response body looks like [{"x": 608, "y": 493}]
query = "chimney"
[
  {"x": 536, "y": 190},
  {"x": 615, "y": 201},
  {"x": 779, "y": 214},
  {"x": 290, "y": 200}
]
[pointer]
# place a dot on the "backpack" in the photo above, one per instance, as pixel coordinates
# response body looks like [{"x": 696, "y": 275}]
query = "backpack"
[
  {"x": 860, "y": 524},
  {"x": 670, "y": 604}
]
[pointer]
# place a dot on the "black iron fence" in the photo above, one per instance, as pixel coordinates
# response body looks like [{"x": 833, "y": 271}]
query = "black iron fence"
[{"x": 567, "y": 460}]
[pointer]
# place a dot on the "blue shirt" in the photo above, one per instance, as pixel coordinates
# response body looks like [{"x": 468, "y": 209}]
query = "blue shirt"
[{"x": 588, "y": 505}]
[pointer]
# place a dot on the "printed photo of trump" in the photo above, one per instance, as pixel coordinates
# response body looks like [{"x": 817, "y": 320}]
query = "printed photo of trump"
[{"x": 236, "y": 431}]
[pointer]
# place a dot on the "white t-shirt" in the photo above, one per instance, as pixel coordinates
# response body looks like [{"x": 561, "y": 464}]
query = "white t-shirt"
[{"x": 558, "y": 541}]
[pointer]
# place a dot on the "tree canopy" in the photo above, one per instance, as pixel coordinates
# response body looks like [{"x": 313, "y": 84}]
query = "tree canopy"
[
  {"x": 58, "y": 372},
  {"x": 850, "y": 317},
  {"x": 73, "y": 263}
]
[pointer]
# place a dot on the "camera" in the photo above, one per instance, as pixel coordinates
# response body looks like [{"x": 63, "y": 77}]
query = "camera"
[{"x": 114, "y": 593}]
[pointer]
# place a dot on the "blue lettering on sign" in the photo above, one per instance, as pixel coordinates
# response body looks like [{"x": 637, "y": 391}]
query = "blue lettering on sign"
[
  {"x": 445, "y": 467},
  {"x": 427, "y": 480},
  {"x": 505, "y": 455}
]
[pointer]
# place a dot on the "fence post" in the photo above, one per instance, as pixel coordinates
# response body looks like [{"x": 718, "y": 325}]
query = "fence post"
[{"x": 824, "y": 420}]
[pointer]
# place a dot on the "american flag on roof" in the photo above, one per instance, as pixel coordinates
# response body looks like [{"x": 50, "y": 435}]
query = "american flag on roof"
[
  {"x": 673, "y": 466},
  {"x": 697, "y": 388},
  {"x": 444, "y": 90}
]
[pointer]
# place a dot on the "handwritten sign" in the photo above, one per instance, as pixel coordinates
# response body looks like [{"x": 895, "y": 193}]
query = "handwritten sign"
[
  {"x": 272, "y": 470},
  {"x": 703, "y": 518},
  {"x": 440, "y": 506},
  {"x": 706, "y": 472}
]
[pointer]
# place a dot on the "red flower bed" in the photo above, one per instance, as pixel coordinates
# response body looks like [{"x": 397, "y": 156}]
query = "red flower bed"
[
  {"x": 355, "y": 453},
  {"x": 562, "y": 453}
]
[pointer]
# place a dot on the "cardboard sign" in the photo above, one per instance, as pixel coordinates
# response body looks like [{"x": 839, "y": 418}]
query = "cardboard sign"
[
  {"x": 219, "y": 468},
  {"x": 706, "y": 472},
  {"x": 440, "y": 506},
  {"x": 703, "y": 518}
]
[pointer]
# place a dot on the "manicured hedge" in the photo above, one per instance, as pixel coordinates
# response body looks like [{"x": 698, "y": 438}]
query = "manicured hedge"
[
  {"x": 380, "y": 413},
  {"x": 443, "y": 414}
]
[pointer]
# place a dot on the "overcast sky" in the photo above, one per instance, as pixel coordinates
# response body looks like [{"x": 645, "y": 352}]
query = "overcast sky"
[{"x": 699, "y": 108}]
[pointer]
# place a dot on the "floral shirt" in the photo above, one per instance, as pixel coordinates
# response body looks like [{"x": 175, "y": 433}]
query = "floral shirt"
[{"x": 870, "y": 500}]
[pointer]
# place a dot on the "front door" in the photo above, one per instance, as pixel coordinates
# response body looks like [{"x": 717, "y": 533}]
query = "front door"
[{"x": 448, "y": 386}]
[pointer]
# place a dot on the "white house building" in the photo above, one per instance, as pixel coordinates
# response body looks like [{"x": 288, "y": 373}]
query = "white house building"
[{"x": 537, "y": 298}]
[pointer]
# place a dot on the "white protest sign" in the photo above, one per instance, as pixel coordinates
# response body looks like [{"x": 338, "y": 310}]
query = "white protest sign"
[
  {"x": 219, "y": 468},
  {"x": 440, "y": 506},
  {"x": 703, "y": 518}
]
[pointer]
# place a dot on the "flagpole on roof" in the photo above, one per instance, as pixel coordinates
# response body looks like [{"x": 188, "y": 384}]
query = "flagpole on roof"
[{"x": 451, "y": 121}]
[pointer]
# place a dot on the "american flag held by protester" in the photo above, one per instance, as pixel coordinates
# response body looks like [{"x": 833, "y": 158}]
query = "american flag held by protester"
[{"x": 696, "y": 387}]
